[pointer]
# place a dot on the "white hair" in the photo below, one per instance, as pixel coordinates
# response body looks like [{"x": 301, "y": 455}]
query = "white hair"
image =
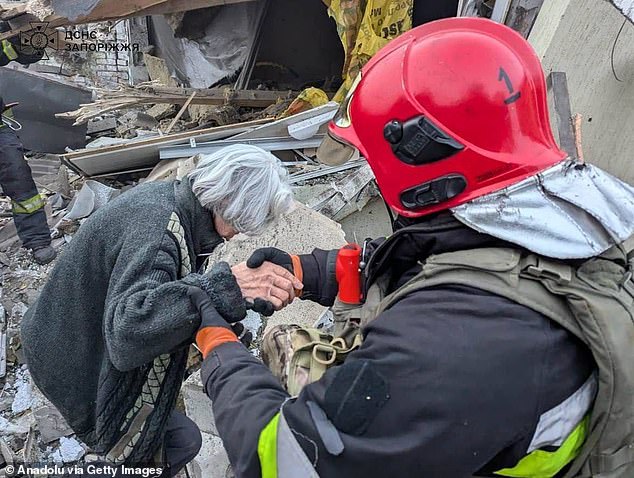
[{"x": 244, "y": 185}]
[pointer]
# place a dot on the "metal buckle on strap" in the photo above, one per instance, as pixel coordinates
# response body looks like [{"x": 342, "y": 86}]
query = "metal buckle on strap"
[
  {"x": 328, "y": 352},
  {"x": 546, "y": 269}
]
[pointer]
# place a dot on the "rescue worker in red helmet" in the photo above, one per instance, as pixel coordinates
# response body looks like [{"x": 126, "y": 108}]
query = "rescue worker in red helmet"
[{"x": 492, "y": 337}]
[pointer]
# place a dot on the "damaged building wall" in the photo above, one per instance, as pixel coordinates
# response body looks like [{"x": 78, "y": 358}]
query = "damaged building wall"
[
  {"x": 102, "y": 68},
  {"x": 592, "y": 42}
]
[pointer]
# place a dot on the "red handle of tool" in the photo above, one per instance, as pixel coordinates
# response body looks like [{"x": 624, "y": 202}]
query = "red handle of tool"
[{"x": 348, "y": 274}]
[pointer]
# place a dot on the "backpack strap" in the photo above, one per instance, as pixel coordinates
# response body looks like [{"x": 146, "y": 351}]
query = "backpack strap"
[{"x": 501, "y": 271}]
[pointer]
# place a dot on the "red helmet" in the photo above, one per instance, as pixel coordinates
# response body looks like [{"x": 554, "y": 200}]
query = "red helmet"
[{"x": 450, "y": 111}]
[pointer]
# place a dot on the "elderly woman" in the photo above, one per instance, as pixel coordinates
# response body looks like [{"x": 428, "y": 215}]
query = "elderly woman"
[{"x": 107, "y": 341}]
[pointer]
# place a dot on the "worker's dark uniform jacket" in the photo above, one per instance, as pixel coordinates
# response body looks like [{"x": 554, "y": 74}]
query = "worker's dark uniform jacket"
[{"x": 449, "y": 381}]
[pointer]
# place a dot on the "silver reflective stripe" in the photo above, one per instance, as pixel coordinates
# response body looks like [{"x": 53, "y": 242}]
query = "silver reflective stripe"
[
  {"x": 292, "y": 462},
  {"x": 563, "y": 212},
  {"x": 557, "y": 423}
]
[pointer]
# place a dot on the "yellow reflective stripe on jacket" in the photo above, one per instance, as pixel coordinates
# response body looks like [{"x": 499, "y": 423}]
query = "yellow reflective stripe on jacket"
[
  {"x": 8, "y": 50},
  {"x": 28, "y": 206},
  {"x": 281, "y": 456},
  {"x": 267, "y": 448},
  {"x": 546, "y": 464}
]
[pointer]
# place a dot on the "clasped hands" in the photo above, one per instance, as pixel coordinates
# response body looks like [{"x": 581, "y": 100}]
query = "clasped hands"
[
  {"x": 265, "y": 282},
  {"x": 266, "y": 276}
]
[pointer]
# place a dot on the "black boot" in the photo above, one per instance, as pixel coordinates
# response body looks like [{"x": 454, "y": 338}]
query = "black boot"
[{"x": 44, "y": 254}]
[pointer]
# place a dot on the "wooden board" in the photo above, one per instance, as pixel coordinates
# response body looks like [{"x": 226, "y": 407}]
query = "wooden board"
[
  {"x": 144, "y": 153},
  {"x": 174, "y": 6}
]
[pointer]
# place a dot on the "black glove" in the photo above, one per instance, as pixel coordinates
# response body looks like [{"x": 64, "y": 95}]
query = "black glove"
[
  {"x": 224, "y": 292},
  {"x": 211, "y": 318},
  {"x": 270, "y": 254},
  {"x": 261, "y": 306}
]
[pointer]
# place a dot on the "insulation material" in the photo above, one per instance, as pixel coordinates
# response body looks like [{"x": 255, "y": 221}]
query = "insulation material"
[
  {"x": 219, "y": 54},
  {"x": 365, "y": 27},
  {"x": 626, "y": 7}
]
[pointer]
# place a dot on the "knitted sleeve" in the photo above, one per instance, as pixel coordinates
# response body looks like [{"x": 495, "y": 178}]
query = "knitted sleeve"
[{"x": 148, "y": 311}]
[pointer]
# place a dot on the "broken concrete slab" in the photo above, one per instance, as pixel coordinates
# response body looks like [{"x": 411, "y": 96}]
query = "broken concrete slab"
[
  {"x": 91, "y": 197},
  {"x": 99, "y": 126},
  {"x": 161, "y": 111},
  {"x": 212, "y": 460},
  {"x": 158, "y": 70},
  {"x": 346, "y": 192},
  {"x": 70, "y": 450},
  {"x": 198, "y": 405},
  {"x": 299, "y": 232},
  {"x": 370, "y": 222},
  {"x": 23, "y": 392},
  {"x": 50, "y": 423}
]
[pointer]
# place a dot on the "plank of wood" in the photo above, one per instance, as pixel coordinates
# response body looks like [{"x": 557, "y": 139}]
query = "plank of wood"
[
  {"x": 110, "y": 9},
  {"x": 144, "y": 153},
  {"x": 119, "y": 9},
  {"x": 217, "y": 96},
  {"x": 174, "y": 6},
  {"x": 9, "y": 11},
  {"x": 180, "y": 113},
  {"x": 120, "y": 99}
]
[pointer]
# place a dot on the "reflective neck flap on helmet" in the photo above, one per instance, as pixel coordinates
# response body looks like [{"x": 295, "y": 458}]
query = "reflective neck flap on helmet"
[{"x": 569, "y": 211}]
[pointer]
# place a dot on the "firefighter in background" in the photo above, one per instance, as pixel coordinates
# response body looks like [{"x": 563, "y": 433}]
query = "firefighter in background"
[{"x": 16, "y": 179}]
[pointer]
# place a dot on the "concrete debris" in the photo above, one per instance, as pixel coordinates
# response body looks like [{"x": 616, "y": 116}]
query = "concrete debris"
[
  {"x": 197, "y": 404},
  {"x": 70, "y": 450},
  {"x": 161, "y": 111},
  {"x": 23, "y": 392},
  {"x": 158, "y": 71},
  {"x": 10, "y": 428},
  {"x": 7, "y": 452},
  {"x": 212, "y": 461},
  {"x": 91, "y": 197},
  {"x": 101, "y": 125},
  {"x": 348, "y": 191},
  {"x": 50, "y": 423}
]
